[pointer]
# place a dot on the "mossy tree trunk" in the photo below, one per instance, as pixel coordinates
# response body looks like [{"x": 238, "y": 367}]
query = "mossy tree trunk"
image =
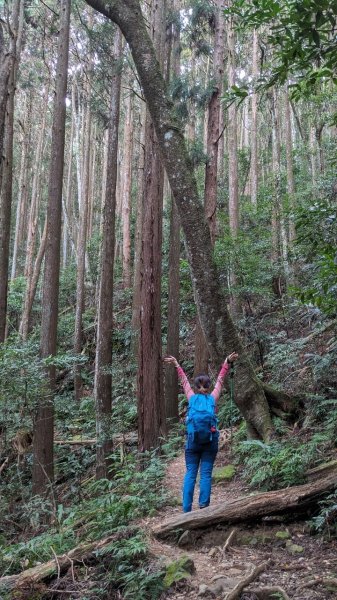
[{"x": 217, "y": 324}]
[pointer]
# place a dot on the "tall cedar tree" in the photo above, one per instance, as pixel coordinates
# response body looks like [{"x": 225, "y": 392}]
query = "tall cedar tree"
[
  {"x": 43, "y": 448},
  {"x": 103, "y": 377},
  {"x": 8, "y": 70},
  {"x": 151, "y": 406}
]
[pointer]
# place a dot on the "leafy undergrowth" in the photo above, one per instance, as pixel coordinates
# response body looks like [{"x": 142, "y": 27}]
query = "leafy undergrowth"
[{"x": 107, "y": 507}]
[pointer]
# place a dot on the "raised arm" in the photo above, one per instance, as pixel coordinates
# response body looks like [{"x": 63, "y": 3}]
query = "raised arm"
[
  {"x": 181, "y": 375},
  {"x": 222, "y": 375}
]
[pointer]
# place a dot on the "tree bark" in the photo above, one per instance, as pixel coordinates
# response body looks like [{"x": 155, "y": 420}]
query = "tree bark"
[
  {"x": 103, "y": 378},
  {"x": 290, "y": 163},
  {"x": 126, "y": 187},
  {"x": 43, "y": 451},
  {"x": 201, "y": 357},
  {"x": 82, "y": 235},
  {"x": 233, "y": 180},
  {"x": 210, "y": 301},
  {"x": 135, "y": 322},
  {"x": 33, "y": 223},
  {"x": 171, "y": 378},
  {"x": 254, "y": 148},
  {"x": 250, "y": 508},
  {"x": 23, "y": 187},
  {"x": 7, "y": 95},
  {"x": 150, "y": 396}
]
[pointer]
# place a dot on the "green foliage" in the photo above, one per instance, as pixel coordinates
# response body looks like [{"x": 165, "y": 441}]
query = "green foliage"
[
  {"x": 302, "y": 36},
  {"x": 178, "y": 570},
  {"x": 105, "y": 508},
  {"x": 316, "y": 227},
  {"x": 21, "y": 384},
  {"x": 228, "y": 413},
  {"x": 248, "y": 254},
  {"x": 16, "y": 292},
  {"x": 326, "y": 520},
  {"x": 277, "y": 464}
]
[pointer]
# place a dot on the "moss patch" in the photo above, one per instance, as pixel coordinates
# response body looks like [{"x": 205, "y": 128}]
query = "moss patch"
[{"x": 223, "y": 473}]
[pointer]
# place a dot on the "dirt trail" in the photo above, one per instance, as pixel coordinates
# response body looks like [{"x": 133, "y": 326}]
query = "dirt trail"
[{"x": 301, "y": 564}]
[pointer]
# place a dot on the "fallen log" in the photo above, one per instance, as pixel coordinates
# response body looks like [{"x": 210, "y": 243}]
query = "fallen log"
[
  {"x": 28, "y": 579},
  {"x": 129, "y": 439},
  {"x": 253, "y": 507}
]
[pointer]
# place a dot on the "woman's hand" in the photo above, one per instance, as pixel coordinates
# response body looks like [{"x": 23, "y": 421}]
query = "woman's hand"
[
  {"x": 232, "y": 357},
  {"x": 171, "y": 360}
]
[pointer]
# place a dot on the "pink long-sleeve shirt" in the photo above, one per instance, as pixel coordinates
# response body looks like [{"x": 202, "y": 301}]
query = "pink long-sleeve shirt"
[{"x": 217, "y": 388}]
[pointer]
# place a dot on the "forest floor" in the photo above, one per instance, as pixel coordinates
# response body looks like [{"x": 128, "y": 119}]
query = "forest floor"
[{"x": 303, "y": 565}]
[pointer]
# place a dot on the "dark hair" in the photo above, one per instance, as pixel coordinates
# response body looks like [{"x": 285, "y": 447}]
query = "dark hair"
[{"x": 202, "y": 381}]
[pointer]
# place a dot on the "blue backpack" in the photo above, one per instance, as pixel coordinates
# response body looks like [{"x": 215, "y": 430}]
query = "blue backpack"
[{"x": 201, "y": 421}]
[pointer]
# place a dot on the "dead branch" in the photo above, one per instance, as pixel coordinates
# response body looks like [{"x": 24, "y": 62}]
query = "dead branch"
[
  {"x": 229, "y": 540},
  {"x": 326, "y": 581},
  {"x": 4, "y": 464}
]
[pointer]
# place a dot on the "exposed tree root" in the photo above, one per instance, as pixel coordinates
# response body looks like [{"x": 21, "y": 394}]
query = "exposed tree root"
[
  {"x": 236, "y": 592},
  {"x": 326, "y": 581},
  {"x": 270, "y": 593}
]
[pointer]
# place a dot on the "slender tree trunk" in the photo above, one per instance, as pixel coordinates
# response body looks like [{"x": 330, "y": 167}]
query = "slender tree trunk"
[
  {"x": 33, "y": 223},
  {"x": 66, "y": 202},
  {"x": 290, "y": 164},
  {"x": 313, "y": 155},
  {"x": 279, "y": 238},
  {"x": 254, "y": 146},
  {"x": 201, "y": 357},
  {"x": 31, "y": 292},
  {"x": 126, "y": 200},
  {"x": 6, "y": 58},
  {"x": 91, "y": 190},
  {"x": 171, "y": 379},
  {"x": 82, "y": 241},
  {"x": 43, "y": 466},
  {"x": 22, "y": 188},
  {"x": 6, "y": 169},
  {"x": 103, "y": 378},
  {"x": 217, "y": 324},
  {"x": 211, "y": 175},
  {"x": 135, "y": 323},
  {"x": 233, "y": 181}
]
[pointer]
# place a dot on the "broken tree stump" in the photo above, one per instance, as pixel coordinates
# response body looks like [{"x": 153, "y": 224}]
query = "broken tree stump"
[{"x": 246, "y": 508}]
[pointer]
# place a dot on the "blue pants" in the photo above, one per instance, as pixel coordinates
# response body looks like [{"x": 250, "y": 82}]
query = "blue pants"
[{"x": 195, "y": 455}]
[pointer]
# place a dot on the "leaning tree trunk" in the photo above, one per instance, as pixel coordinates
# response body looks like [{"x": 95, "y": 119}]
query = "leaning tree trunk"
[
  {"x": 43, "y": 466},
  {"x": 217, "y": 324},
  {"x": 103, "y": 378}
]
